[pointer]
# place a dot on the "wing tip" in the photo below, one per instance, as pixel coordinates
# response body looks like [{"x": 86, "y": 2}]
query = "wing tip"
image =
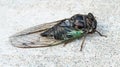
[{"x": 15, "y": 44}]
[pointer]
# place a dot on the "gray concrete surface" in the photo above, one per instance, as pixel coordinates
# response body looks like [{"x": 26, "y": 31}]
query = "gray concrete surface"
[{"x": 17, "y": 15}]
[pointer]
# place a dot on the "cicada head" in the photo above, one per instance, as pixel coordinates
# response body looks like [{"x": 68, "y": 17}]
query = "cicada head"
[{"x": 91, "y": 21}]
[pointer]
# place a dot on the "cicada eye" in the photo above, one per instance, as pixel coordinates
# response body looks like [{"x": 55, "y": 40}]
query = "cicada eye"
[{"x": 90, "y": 16}]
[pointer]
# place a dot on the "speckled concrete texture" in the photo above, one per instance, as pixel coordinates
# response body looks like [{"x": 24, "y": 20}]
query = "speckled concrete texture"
[{"x": 17, "y": 15}]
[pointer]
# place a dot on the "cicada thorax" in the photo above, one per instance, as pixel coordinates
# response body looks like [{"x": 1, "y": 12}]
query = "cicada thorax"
[
  {"x": 87, "y": 23},
  {"x": 60, "y": 31},
  {"x": 79, "y": 21}
]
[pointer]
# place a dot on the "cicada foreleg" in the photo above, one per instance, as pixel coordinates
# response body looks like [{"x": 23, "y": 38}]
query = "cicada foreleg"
[{"x": 100, "y": 34}]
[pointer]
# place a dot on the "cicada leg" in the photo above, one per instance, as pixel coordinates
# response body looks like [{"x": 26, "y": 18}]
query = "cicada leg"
[
  {"x": 83, "y": 42},
  {"x": 100, "y": 34}
]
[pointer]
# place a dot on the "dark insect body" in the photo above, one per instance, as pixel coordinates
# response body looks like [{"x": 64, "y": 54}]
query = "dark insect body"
[{"x": 66, "y": 30}]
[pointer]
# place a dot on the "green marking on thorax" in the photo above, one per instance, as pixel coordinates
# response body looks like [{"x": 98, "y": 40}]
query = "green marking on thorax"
[{"x": 75, "y": 33}]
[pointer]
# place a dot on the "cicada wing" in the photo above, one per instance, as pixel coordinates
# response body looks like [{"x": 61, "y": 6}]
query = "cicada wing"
[{"x": 31, "y": 37}]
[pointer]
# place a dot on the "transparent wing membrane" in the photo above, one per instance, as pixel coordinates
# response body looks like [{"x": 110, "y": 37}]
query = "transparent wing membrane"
[{"x": 31, "y": 38}]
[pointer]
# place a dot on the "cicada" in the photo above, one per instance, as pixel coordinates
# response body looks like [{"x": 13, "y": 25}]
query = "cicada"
[{"x": 58, "y": 32}]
